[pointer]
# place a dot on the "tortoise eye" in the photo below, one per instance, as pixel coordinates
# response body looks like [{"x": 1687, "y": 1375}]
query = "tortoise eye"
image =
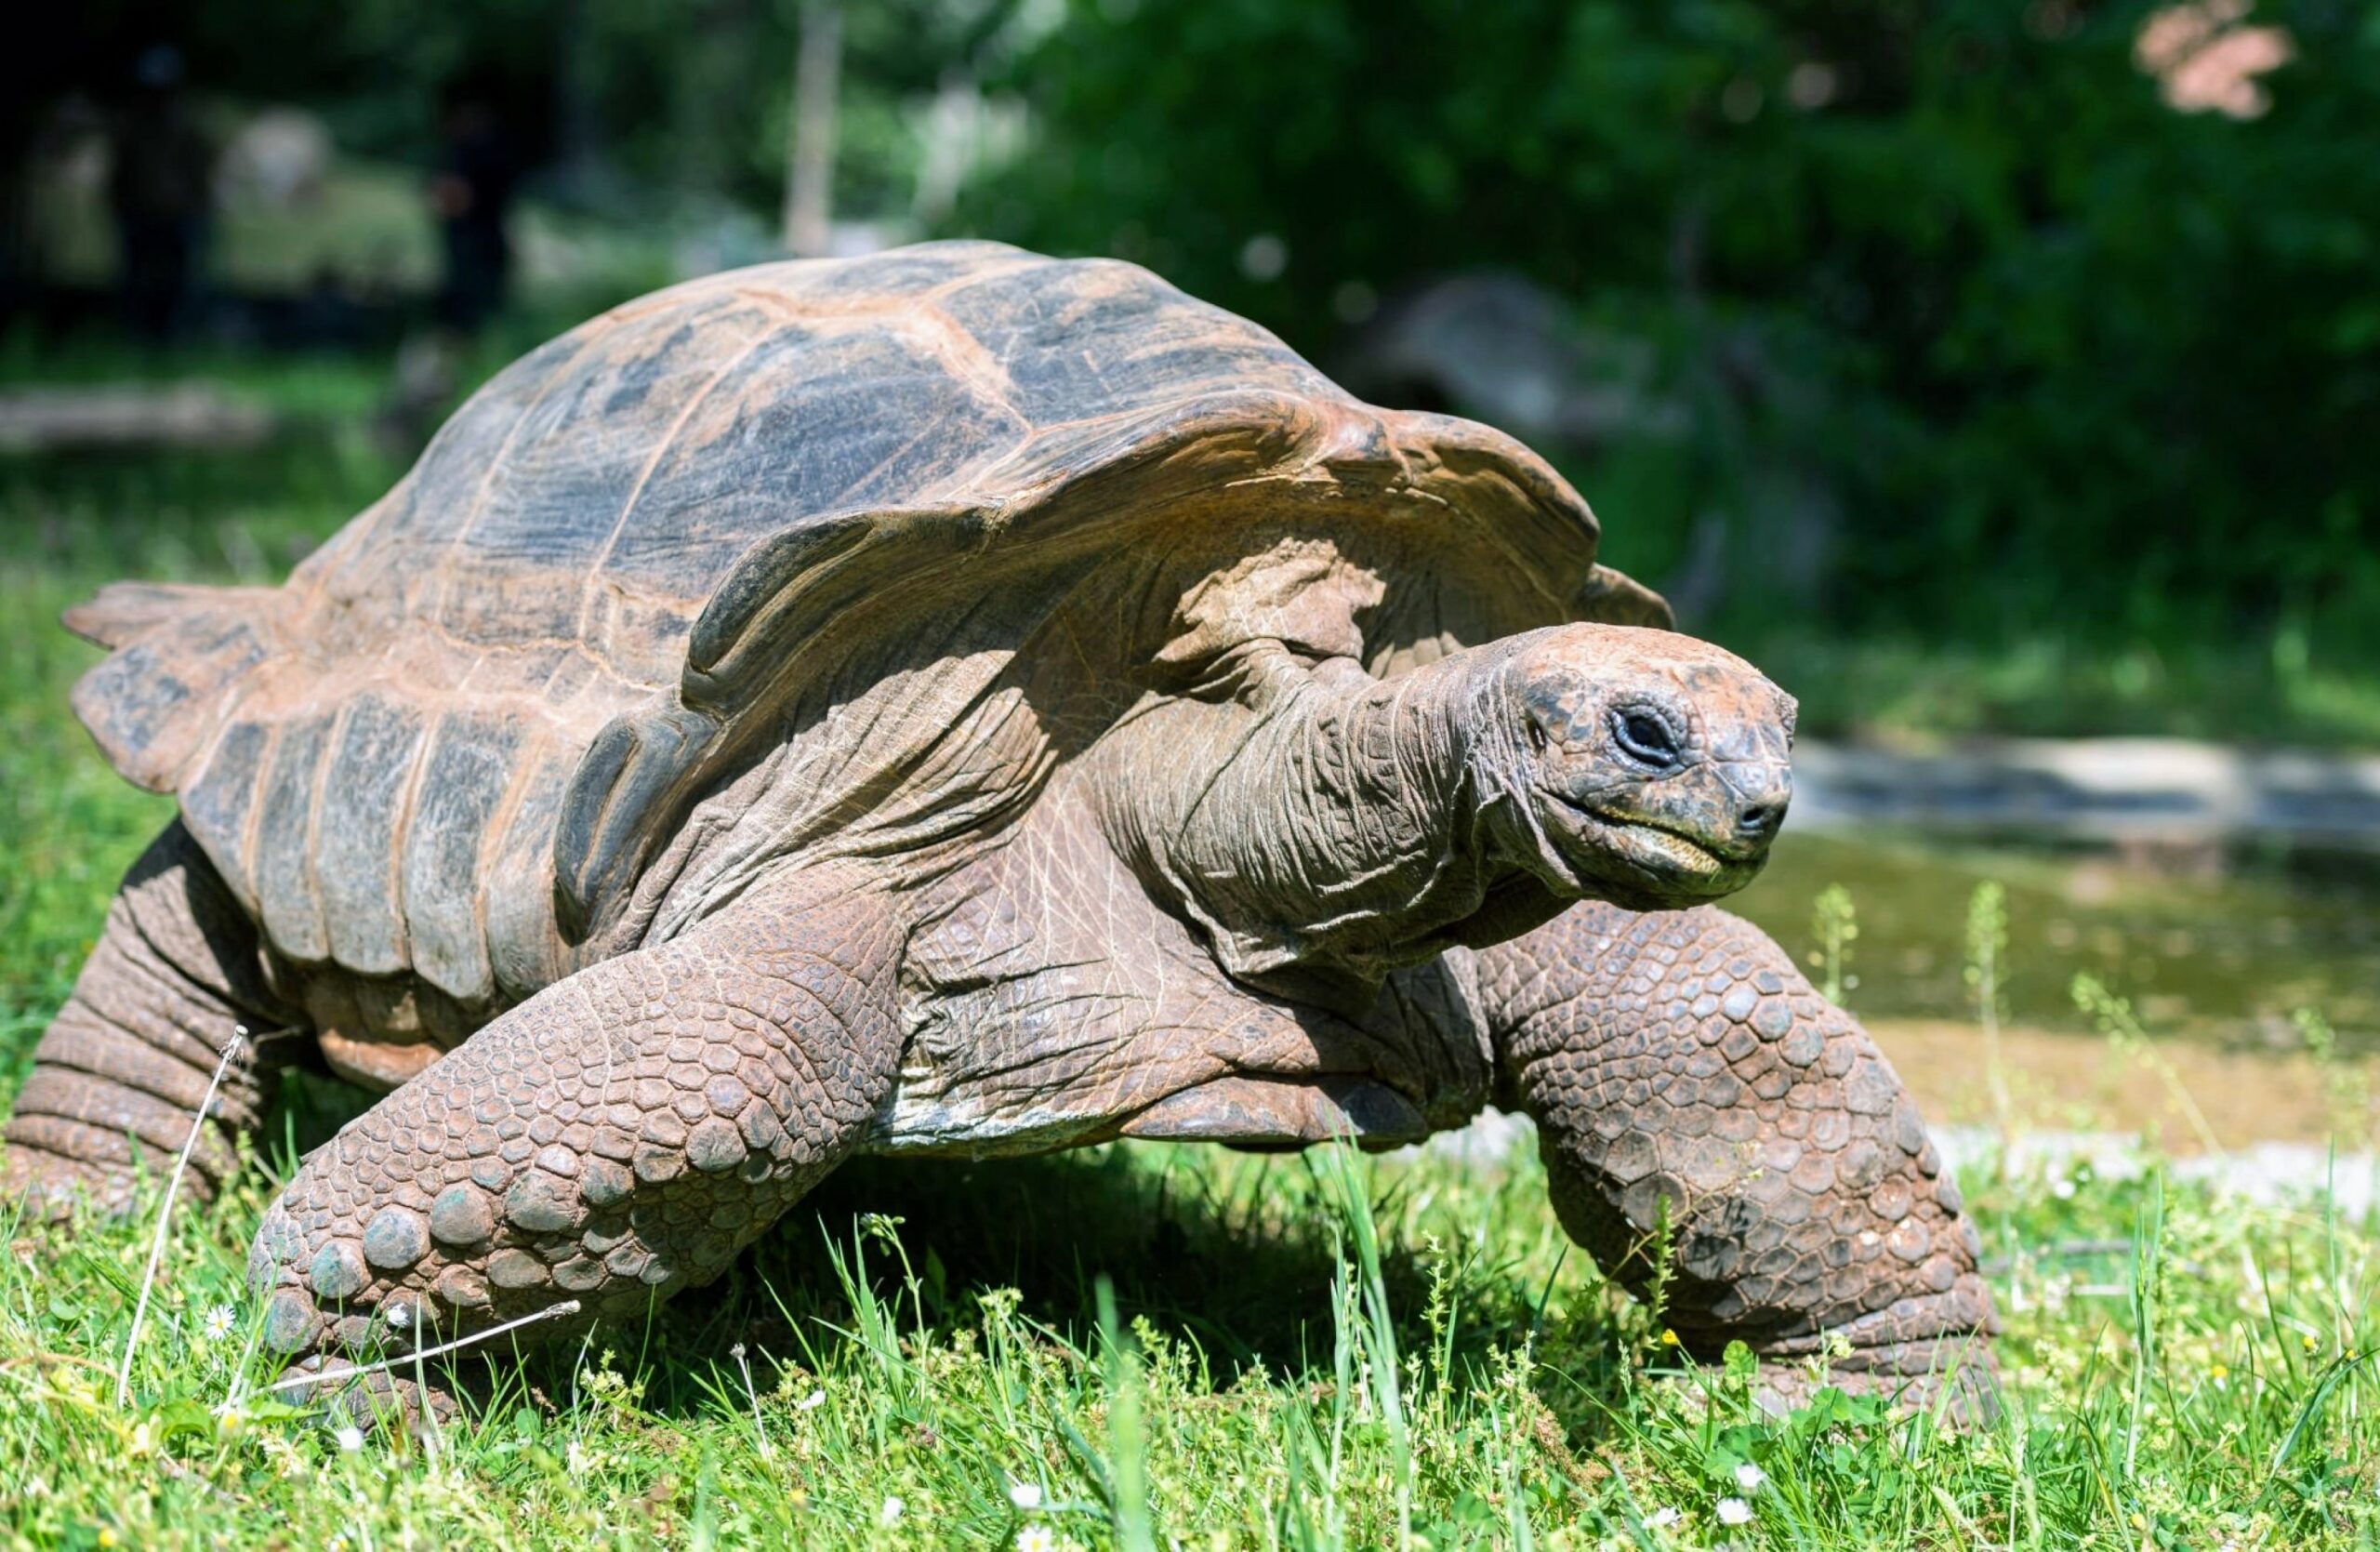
[{"x": 1645, "y": 738}]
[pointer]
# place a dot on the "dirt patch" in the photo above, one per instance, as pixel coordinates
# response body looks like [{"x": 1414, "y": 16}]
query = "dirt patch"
[{"x": 2065, "y": 1082}]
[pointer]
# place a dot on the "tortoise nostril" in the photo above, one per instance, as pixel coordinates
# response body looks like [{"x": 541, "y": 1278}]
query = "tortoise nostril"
[{"x": 1759, "y": 821}]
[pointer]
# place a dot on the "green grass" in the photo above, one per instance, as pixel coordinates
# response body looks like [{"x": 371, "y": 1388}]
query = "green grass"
[
  {"x": 1166, "y": 1345},
  {"x": 1309, "y": 1354}
]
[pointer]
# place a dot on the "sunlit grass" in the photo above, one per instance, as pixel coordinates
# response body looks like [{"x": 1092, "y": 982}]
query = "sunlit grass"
[{"x": 1309, "y": 1353}]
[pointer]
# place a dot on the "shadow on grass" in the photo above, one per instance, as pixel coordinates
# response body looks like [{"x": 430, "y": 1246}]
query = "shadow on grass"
[
  {"x": 1235, "y": 1259},
  {"x": 1233, "y": 1254}
]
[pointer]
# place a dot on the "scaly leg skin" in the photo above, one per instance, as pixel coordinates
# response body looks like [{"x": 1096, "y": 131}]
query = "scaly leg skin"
[
  {"x": 119, "y": 1077},
  {"x": 1680, "y": 1059},
  {"x": 619, "y": 1136}
]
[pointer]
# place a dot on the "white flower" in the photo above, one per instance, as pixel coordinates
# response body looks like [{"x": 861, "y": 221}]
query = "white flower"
[
  {"x": 350, "y": 1437},
  {"x": 1025, "y": 1496},
  {"x": 891, "y": 1513},
  {"x": 1733, "y": 1511},
  {"x": 1749, "y": 1477},
  {"x": 1036, "y": 1538},
  {"x": 575, "y": 1459},
  {"x": 811, "y": 1402},
  {"x": 1665, "y": 1515},
  {"x": 2062, "y": 1190},
  {"x": 219, "y": 1321}
]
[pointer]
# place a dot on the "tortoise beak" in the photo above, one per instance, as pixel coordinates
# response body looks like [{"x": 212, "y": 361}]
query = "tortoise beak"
[
  {"x": 1649, "y": 857},
  {"x": 1763, "y": 790}
]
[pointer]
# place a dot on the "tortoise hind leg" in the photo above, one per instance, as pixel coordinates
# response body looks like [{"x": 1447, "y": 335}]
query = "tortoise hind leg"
[
  {"x": 1678, "y": 1062},
  {"x": 619, "y": 1136},
  {"x": 120, "y": 1074}
]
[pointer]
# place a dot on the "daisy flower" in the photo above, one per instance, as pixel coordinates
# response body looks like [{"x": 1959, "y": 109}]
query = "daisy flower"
[{"x": 1733, "y": 1511}]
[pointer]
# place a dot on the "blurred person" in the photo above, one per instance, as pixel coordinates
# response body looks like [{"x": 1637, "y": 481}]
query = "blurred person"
[
  {"x": 471, "y": 194},
  {"x": 160, "y": 188}
]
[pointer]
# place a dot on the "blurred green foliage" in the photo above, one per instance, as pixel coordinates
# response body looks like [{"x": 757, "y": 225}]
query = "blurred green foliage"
[{"x": 2054, "y": 354}]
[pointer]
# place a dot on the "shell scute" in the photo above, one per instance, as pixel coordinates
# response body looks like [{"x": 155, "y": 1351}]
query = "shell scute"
[
  {"x": 147, "y": 706},
  {"x": 388, "y": 561},
  {"x": 221, "y": 797},
  {"x": 371, "y": 783},
  {"x": 571, "y": 479},
  {"x": 811, "y": 423},
  {"x": 283, "y": 868},
  {"x": 470, "y": 770},
  {"x": 1085, "y": 341}
]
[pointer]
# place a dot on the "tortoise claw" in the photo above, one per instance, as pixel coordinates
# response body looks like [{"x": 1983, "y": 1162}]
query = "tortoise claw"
[
  {"x": 379, "y": 1402},
  {"x": 1957, "y": 1378}
]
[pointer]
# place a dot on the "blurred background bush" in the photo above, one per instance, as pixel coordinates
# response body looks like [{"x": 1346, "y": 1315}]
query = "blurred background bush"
[{"x": 1980, "y": 364}]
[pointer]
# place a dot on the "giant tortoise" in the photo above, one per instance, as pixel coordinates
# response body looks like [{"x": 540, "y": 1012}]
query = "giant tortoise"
[{"x": 958, "y": 702}]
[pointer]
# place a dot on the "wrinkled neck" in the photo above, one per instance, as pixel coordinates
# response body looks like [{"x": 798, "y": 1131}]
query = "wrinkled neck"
[{"x": 1322, "y": 826}]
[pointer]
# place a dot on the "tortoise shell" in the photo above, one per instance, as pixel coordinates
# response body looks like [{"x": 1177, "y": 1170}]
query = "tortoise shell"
[{"x": 811, "y": 518}]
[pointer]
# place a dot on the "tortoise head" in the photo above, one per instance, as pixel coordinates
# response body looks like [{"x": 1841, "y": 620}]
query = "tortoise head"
[{"x": 1652, "y": 768}]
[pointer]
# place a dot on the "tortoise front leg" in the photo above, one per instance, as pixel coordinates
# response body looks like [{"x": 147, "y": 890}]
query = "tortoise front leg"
[
  {"x": 120, "y": 1074},
  {"x": 619, "y": 1136},
  {"x": 1678, "y": 1062}
]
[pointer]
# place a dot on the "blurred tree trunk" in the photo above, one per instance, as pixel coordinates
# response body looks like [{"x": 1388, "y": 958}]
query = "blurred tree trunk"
[
  {"x": 577, "y": 121},
  {"x": 809, "y": 161}
]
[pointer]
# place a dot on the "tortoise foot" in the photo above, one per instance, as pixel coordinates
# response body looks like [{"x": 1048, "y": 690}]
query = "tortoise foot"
[
  {"x": 1955, "y": 1377},
  {"x": 52, "y": 1187},
  {"x": 378, "y": 1403}
]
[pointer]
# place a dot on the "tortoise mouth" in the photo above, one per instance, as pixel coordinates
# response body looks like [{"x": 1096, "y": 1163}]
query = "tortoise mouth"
[{"x": 1633, "y": 857}]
